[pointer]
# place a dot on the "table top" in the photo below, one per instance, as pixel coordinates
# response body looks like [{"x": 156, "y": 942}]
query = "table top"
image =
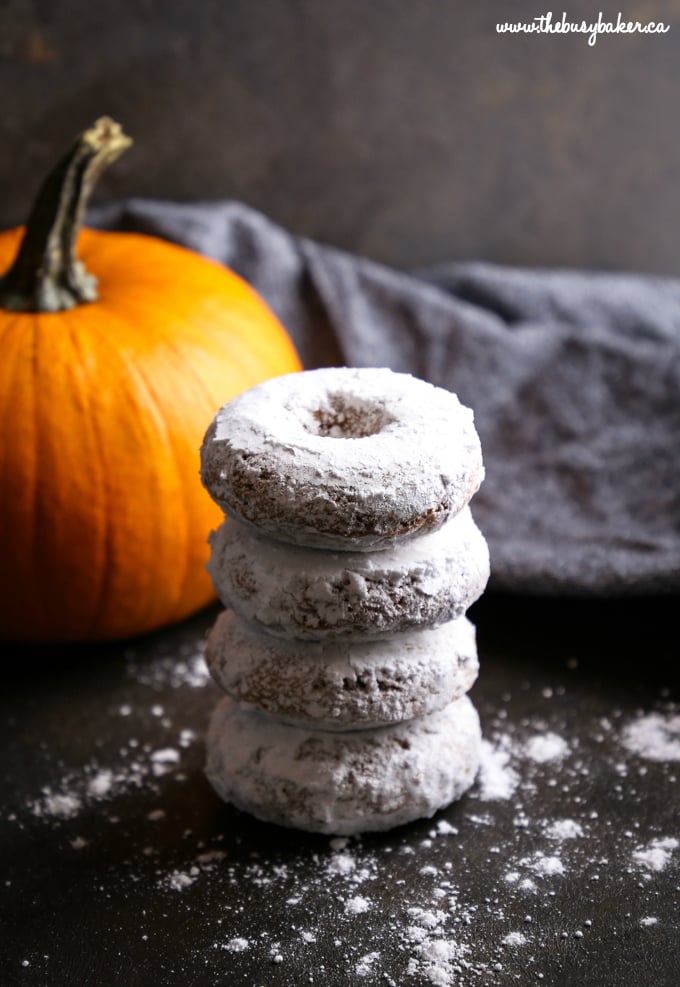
[{"x": 120, "y": 865}]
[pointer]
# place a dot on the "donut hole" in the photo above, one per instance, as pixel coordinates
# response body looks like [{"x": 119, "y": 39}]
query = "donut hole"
[{"x": 346, "y": 416}]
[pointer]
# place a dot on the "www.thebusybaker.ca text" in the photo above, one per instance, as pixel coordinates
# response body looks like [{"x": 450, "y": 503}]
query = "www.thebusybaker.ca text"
[{"x": 545, "y": 24}]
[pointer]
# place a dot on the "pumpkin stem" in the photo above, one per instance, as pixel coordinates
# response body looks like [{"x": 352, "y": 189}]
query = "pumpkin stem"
[{"x": 46, "y": 275}]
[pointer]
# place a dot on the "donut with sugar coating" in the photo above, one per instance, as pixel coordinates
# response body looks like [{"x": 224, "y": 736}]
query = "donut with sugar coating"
[
  {"x": 342, "y": 458},
  {"x": 342, "y": 783},
  {"x": 343, "y": 684},
  {"x": 314, "y": 594}
]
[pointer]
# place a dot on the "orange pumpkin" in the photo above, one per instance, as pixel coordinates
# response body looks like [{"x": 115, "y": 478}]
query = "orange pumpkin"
[{"x": 106, "y": 390}]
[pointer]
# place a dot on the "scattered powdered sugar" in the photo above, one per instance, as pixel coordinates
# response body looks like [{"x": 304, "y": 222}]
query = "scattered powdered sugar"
[
  {"x": 496, "y": 780},
  {"x": 544, "y": 747},
  {"x": 180, "y": 880},
  {"x": 514, "y": 939},
  {"x": 564, "y": 829},
  {"x": 439, "y": 961},
  {"x": 94, "y": 784},
  {"x": 140, "y": 766},
  {"x": 436, "y": 956},
  {"x": 540, "y": 864},
  {"x": 341, "y": 863},
  {"x": 163, "y": 760},
  {"x": 423, "y": 920},
  {"x": 546, "y": 866},
  {"x": 365, "y": 965},
  {"x": 523, "y": 883},
  {"x": 237, "y": 945},
  {"x": 101, "y": 784},
  {"x": 60, "y": 805},
  {"x": 189, "y": 670},
  {"x": 656, "y": 855},
  {"x": 655, "y": 737},
  {"x": 357, "y": 905},
  {"x": 344, "y": 864},
  {"x": 186, "y": 737}
]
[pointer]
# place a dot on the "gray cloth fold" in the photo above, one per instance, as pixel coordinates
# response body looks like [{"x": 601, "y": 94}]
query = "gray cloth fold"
[{"x": 574, "y": 379}]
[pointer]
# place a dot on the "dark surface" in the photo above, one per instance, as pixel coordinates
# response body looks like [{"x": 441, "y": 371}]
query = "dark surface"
[
  {"x": 105, "y": 912},
  {"x": 409, "y": 132}
]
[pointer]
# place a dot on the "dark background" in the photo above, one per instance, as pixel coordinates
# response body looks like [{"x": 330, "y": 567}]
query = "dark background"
[{"x": 410, "y": 132}]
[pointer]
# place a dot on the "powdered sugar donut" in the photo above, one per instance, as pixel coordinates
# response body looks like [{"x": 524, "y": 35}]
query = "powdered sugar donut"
[
  {"x": 343, "y": 684},
  {"x": 342, "y": 458},
  {"x": 312, "y": 594},
  {"x": 342, "y": 783}
]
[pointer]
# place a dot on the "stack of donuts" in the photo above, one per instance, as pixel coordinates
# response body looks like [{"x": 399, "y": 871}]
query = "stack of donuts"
[{"x": 346, "y": 562}]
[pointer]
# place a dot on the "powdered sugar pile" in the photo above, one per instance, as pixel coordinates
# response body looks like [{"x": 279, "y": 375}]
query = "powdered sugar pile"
[
  {"x": 544, "y": 747},
  {"x": 564, "y": 829},
  {"x": 189, "y": 669},
  {"x": 497, "y": 779},
  {"x": 656, "y": 855},
  {"x": 357, "y": 905},
  {"x": 655, "y": 736},
  {"x": 436, "y": 957},
  {"x": 515, "y": 939}
]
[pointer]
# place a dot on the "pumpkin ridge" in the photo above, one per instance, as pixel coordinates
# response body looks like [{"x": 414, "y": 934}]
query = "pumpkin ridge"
[
  {"x": 13, "y": 392},
  {"x": 106, "y": 540},
  {"x": 202, "y": 387},
  {"x": 138, "y": 373},
  {"x": 110, "y": 329},
  {"x": 32, "y": 378}
]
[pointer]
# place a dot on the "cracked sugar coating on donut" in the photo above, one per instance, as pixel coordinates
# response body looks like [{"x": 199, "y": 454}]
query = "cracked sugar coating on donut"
[
  {"x": 343, "y": 684},
  {"x": 342, "y": 457},
  {"x": 342, "y": 783},
  {"x": 312, "y": 594}
]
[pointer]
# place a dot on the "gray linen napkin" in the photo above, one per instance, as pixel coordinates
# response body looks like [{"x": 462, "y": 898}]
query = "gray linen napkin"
[{"x": 574, "y": 379}]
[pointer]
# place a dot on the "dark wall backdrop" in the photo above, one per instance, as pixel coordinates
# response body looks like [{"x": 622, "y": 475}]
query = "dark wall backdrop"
[{"x": 406, "y": 130}]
